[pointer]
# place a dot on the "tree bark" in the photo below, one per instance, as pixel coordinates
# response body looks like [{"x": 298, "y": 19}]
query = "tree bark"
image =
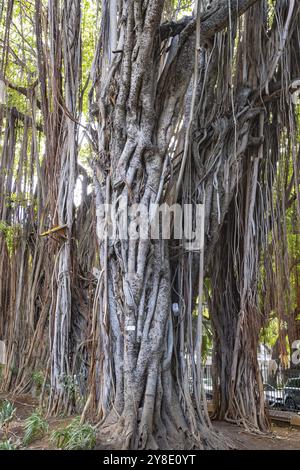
[{"x": 143, "y": 357}]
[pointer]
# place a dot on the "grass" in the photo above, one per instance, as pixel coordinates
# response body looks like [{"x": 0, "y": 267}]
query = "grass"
[
  {"x": 35, "y": 428},
  {"x": 38, "y": 379},
  {"x": 7, "y": 412},
  {"x": 75, "y": 436},
  {"x": 7, "y": 445}
]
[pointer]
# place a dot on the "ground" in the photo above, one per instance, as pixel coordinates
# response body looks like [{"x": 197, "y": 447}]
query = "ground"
[{"x": 282, "y": 437}]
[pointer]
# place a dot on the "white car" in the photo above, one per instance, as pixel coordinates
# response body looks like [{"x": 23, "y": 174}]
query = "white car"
[{"x": 273, "y": 396}]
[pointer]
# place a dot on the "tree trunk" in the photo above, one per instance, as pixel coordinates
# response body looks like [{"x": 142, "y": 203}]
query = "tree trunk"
[
  {"x": 142, "y": 358},
  {"x": 238, "y": 393},
  {"x": 144, "y": 362},
  {"x": 60, "y": 331}
]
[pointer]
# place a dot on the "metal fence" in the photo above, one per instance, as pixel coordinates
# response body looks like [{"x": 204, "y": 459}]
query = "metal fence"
[{"x": 281, "y": 386}]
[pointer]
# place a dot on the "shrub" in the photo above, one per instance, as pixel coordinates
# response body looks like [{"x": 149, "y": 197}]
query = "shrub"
[
  {"x": 35, "y": 428},
  {"x": 38, "y": 379},
  {"x": 75, "y": 436},
  {"x": 7, "y": 412},
  {"x": 7, "y": 445}
]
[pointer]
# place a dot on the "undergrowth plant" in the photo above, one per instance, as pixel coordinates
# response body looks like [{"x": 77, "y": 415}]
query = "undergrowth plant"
[
  {"x": 35, "y": 428},
  {"x": 75, "y": 436},
  {"x": 38, "y": 380},
  {"x": 7, "y": 412},
  {"x": 7, "y": 445}
]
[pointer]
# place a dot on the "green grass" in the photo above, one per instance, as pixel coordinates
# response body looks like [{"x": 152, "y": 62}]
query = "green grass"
[
  {"x": 7, "y": 412},
  {"x": 75, "y": 436},
  {"x": 38, "y": 379},
  {"x": 7, "y": 445},
  {"x": 35, "y": 428}
]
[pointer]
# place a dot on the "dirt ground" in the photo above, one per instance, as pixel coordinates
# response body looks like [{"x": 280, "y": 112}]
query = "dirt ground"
[
  {"x": 25, "y": 405},
  {"x": 282, "y": 437}
]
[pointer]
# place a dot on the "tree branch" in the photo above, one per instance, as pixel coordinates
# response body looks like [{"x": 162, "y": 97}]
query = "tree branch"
[
  {"x": 20, "y": 116},
  {"x": 212, "y": 21},
  {"x": 22, "y": 90}
]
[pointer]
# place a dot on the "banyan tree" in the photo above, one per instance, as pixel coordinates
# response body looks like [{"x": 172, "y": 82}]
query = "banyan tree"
[{"x": 148, "y": 102}]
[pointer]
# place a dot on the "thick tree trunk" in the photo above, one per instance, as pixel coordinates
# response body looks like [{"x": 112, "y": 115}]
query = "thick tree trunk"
[
  {"x": 238, "y": 393},
  {"x": 144, "y": 356},
  {"x": 248, "y": 154},
  {"x": 141, "y": 371},
  {"x": 60, "y": 331},
  {"x": 234, "y": 307},
  {"x": 144, "y": 396}
]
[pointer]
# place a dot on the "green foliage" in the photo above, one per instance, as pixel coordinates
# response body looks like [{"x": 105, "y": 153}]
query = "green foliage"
[
  {"x": 18, "y": 200},
  {"x": 206, "y": 347},
  {"x": 90, "y": 24},
  {"x": 38, "y": 379},
  {"x": 35, "y": 428},
  {"x": 10, "y": 233},
  {"x": 7, "y": 445},
  {"x": 175, "y": 8},
  {"x": 69, "y": 383},
  {"x": 270, "y": 332},
  {"x": 76, "y": 436},
  {"x": 7, "y": 412}
]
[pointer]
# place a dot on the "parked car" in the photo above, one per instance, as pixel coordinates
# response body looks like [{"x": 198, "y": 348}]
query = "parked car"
[
  {"x": 273, "y": 396},
  {"x": 291, "y": 394}
]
